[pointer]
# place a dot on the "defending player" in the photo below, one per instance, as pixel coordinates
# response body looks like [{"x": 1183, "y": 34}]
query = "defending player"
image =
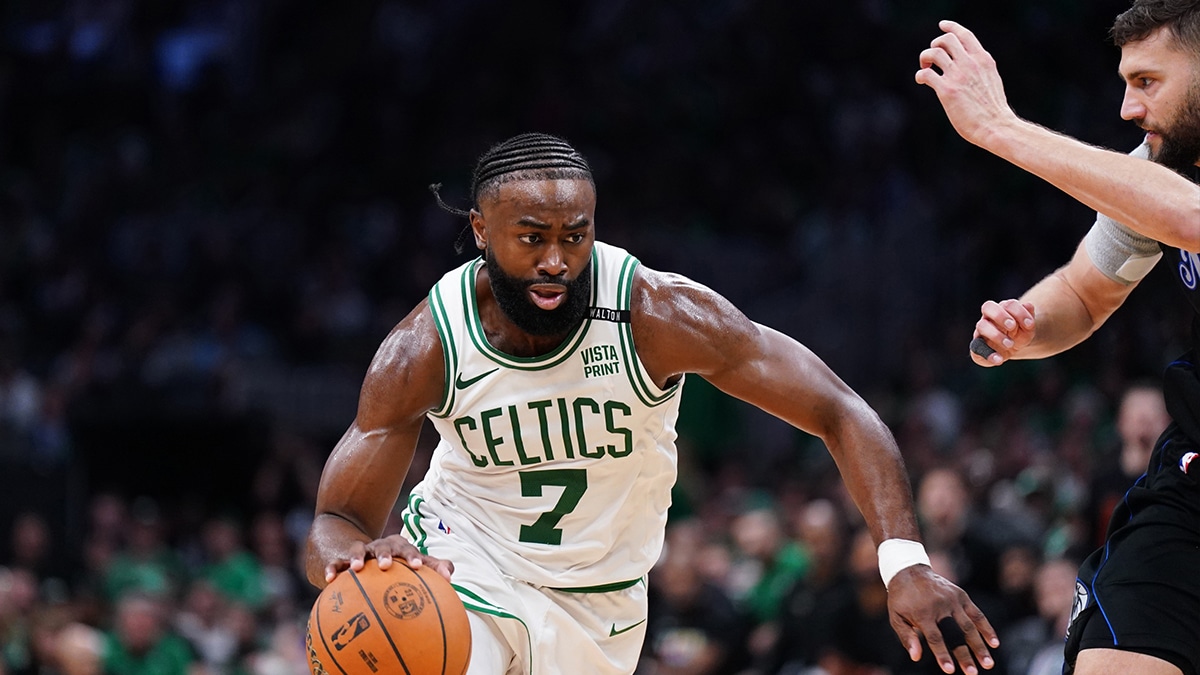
[{"x": 1137, "y": 607}]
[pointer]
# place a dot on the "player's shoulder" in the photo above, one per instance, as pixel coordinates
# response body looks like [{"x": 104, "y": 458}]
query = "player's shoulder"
[
  {"x": 410, "y": 358},
  {"x": 673, "y": 300}
]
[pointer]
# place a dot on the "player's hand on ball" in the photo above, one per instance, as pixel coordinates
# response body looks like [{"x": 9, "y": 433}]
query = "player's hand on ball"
[
  {"x": 386, "y": 551},
  {"x": 1006, "y": 327},
  {"x": 923, "y": 604}
]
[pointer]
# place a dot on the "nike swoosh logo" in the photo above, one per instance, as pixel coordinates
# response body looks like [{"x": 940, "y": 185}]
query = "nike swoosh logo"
[
  {"x": 460, "y": 383},
  {"x": 613, "y": 632}
]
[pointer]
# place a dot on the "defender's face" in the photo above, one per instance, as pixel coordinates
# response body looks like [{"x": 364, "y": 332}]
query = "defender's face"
[
  {"x": 1162, "y": 96},
  {"x": 540, "y": 232}
]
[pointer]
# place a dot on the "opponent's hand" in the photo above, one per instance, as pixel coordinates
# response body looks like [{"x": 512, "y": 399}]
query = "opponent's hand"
[
  {"x": 387, "y": 550},
  {"x": 1007, "y": 326},
  {"x": 918, "y": 599},
  {"x": 969, "y": 86}
]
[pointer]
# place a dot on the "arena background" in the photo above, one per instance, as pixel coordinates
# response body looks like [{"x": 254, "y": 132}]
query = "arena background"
[{"x": 211, "y": 212}]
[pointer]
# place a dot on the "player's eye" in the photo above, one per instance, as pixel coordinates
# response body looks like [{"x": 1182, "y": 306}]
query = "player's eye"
[
  {"x": 1145, "y": 81},
  {"x": 530, "y": 238},
  {"x": 575, "y": 238}
]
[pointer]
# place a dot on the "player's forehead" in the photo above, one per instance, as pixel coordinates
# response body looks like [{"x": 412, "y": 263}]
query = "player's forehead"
[
  {"x": 1161, "y": 53},
  {"x": 556, "y": 195}
]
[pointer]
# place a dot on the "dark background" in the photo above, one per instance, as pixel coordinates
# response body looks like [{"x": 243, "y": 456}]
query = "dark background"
[{"x": 211, "y": 212}]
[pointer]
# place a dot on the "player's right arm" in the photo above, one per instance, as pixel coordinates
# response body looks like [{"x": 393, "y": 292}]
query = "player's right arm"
[
  {"x": 1149, "y": 198},
  {"x": 364, "y": 473},
  {"x": 1054, "y": 315}
]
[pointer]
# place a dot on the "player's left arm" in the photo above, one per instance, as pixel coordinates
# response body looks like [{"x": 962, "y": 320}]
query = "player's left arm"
[{"x": 681, "y": 326}]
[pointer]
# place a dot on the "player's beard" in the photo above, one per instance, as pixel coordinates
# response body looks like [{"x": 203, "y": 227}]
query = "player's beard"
[
  {"x": 512, "y": 294},
  {"x": 1179, "y": 145}
]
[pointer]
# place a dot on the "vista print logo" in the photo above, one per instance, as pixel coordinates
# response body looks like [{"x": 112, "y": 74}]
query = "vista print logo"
[{"x": 1189, "y": 269}]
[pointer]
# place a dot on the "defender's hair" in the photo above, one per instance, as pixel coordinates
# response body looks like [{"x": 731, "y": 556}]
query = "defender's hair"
[
  {"x": 530, "y": 156},
  {"x": 1181, "y": 17}
]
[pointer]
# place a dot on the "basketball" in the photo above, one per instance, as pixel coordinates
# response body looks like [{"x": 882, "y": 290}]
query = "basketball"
[{"x": 398, "y": 620}]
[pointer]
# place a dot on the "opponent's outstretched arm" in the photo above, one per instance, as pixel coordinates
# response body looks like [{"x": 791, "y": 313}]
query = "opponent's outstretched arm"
[
  {"x": 683, "y": 327},
  {"x": 364, "y": 473},
  {"x": 1054, "y": 315},
  {"x": 1149, "y": 198}
]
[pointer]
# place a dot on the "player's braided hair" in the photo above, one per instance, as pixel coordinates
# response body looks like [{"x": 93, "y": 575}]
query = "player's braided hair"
[
  {"x": 531, "y": 156},
  {"x": 1145, "y": 16}
]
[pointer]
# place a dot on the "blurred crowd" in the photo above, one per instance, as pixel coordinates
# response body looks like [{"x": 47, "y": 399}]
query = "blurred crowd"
[{"x": 212, "y": 211}]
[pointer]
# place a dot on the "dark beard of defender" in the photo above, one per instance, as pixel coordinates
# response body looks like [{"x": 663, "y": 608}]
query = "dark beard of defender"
[
  {"x": 512, "y": 294},
  {"x": 1180, "y": 147}
]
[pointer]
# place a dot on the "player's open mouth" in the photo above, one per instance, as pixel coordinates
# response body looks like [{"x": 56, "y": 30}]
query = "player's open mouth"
[{"x": 547, "y": 296}]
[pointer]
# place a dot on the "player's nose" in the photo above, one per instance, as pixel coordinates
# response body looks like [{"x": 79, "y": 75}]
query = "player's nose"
[
  {"x": 552, "y": 262},
  {"x": 1131, "y": 106}
]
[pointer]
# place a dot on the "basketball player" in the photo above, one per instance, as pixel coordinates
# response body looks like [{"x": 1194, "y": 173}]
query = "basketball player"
[
  {"x": 1137, "y": 598},
  {"x": 552, "y": 368}
]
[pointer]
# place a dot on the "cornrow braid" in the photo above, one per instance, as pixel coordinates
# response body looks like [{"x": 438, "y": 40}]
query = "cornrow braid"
[
  {"x": 529, "y": 156},
  {"x": 525, "y": 157}
]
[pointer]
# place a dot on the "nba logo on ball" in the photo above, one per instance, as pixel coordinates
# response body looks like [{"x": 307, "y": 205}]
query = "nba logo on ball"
[{"x": 404, "y": 600}]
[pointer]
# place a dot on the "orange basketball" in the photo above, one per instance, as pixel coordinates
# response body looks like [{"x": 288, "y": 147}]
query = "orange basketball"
[{"x": 400, "y": 620}]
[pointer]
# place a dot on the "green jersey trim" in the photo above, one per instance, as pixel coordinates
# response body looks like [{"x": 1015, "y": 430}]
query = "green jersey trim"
[
  {"x": 412, "y": 523},
  {"x": 475, "y": 327},
  {"x": 473, "y": 602},
  {"x": 602, "y": 588},
  {"x": 441, "y": 320},
  {"x": 645, "y": 392}
]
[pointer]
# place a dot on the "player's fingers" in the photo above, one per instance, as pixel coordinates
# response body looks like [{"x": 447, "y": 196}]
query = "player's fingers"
[
  {"x": 1021, "y": 312},
  {"x": 935, "y": 57},
  {"x": 981, "y": 623},
  {"x": 389, "y": 548},
  {"x": 949, "y": 43},
  {"x": 1001, "y": 314},
  {"x": 965, "y": 37},
  {"x": 937, "y": 646},
  {"x": 995, "y": 341},
  {"x": 335, "y": 568},
  {"x": 442, "y": 567},
  {"x": 357, "y": 556},
  {"x": 908, "y": 637},
  {"x": 982, "y": 352},
  {"x": 964, "y": 642},
  {"x": 928, "y": 77}
]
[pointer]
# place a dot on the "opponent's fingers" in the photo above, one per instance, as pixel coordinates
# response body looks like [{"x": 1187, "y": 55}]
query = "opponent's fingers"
[
  {"x": 935, "y": 57},
  {"x": 949, "y": 43},
  {"x": 964, "y": 35},
  {"x": 928, "y": 77},
  {"x": 1021, "y": 312}
]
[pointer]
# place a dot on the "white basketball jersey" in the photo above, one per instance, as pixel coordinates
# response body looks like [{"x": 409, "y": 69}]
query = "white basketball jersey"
[{"x": 559, "y": 466}]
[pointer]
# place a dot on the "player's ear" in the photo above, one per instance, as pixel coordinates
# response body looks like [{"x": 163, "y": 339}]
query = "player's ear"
[{"x": 479, "y": 227}]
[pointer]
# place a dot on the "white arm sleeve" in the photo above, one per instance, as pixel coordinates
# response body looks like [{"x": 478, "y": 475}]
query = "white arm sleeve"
[{"x": 1120, "y": 253}]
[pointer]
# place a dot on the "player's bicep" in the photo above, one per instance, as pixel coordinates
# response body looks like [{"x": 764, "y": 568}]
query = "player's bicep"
[
  {"x": 783, "y": 377},
  {"x": 366, "y": 469},
  {"x": 1093, "y": 283},
  {"x": 693, "y": 329}
]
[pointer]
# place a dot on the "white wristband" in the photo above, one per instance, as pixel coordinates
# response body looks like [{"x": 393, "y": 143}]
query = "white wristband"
[{"x": 896, "y": 554}]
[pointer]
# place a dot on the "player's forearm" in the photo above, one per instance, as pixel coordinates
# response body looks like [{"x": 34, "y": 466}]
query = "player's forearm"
[
  {"x": 874, "y": 473},
  {"x": 1149, "y": 198},
  {"x": 1061, "y": 317}
]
